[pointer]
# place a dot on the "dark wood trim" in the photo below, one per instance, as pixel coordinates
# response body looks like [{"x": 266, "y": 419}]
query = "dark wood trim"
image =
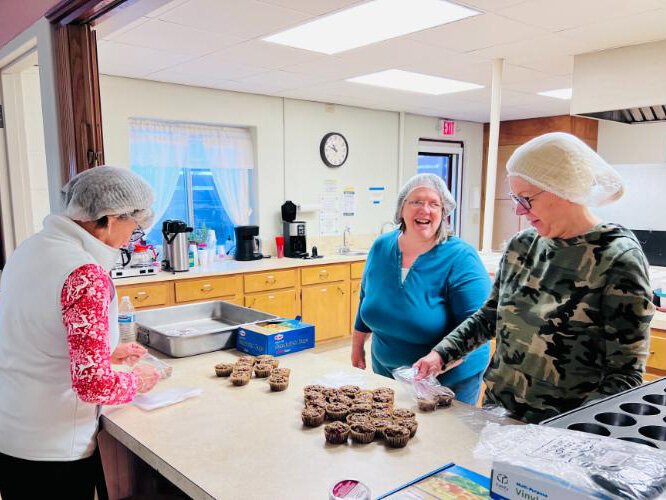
[
  {"x": 77, "y": 86},
  {"x": 80, "y": 11}
]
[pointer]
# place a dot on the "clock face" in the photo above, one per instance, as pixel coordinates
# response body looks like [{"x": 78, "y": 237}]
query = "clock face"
[{"x": 334, "y": 149}]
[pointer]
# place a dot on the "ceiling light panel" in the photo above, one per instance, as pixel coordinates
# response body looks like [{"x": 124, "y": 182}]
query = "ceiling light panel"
[
  {"x": 414, "y": 82},
  {"x": 370, "y": 22},
  {"x": 558, "y": 93}
]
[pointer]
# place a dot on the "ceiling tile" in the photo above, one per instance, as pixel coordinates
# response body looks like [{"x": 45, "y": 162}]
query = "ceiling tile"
[
  {"x": 161, "y": 7},
  {"x": 564, "y": 14},
  {"x": 282, "y": 80},
  {"x": 317, "y": 7},
  {"x": 128, "y": 60},
  {"x": 243, "y": 18},
  {"x": 176, "y": 38},
  {"x": 541, "y": 47},
  {"x": 561, "y": 65},
  {"x": 211, "y": 67},
  {"x": 190, "y": 79},
  {"x": 533, "y": 86},
  {"x": 489, "y": 5},
  {"x": 266, "y": 54},
  {"x": 474, "y": 33}
]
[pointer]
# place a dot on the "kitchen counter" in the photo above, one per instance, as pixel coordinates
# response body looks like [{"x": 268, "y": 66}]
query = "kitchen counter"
[
  {"x": 230, "y": 266},
  {"x": 247, "y": 442}
]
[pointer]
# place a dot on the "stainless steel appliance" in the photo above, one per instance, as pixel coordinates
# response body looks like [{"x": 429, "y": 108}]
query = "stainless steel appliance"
[
  {"x": 174, "y": 245},
  {"x": 248, "y": 244},
  {"x": 191, "y": 329},
  {"x": 295, "y": 242},
  {"x": 129, "y": 266}
]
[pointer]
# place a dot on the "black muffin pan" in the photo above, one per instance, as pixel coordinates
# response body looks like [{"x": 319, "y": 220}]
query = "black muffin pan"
[{"x": 637, "y": 415}]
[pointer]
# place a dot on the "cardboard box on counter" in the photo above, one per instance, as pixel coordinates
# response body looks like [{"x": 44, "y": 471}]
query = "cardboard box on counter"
[
  {"x": 510, "y": 482},
  {"x": 276, "y": 337}
]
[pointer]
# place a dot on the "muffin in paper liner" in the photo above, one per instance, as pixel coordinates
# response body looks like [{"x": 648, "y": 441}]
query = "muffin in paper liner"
[
  {"x": 402, "y": 413},
  {"x": 382, "y": 398},
  {"x": 388, "y": 414},
  {"x": 396, "y": 436},
  {"x": 243, "y": 367},
  {"x": 337, "y": 411},
  {"x": 265, "y": 358},
  {"x": 341, "y": 398},
  {"x": 240, "y": 378},
  {"x": 313, "y": 396},
  {"x": 263, "y": 370},
  {"x": 384, "y": 390},
  {"x": 312, "y": 416},
  {"x": 361, "y": 408},
  {"x": 336, "y": 432},
  {"x": 382, "y": 406},
  {"x": 278, "y": 383},
  {"x": 284, "y": 372},
  {"x": 426, "y": 404},
  {"x": 314, "y": 388},
  {"x": 353, "y": 418},
  {"x": 363, "y": 397},
  {"x": 317, "y": 403},
  {"x": 350, "y": 390},
  {"x": 362, "y": 432},
  {"x": 412, "y": 425},
  {"x": 250, "y": 360},
  {"x": 381, "y": 424},
  {"x": 223, "y": 369}
]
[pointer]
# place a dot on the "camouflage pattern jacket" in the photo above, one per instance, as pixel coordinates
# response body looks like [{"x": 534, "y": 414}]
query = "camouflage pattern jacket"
[{"x": 571, "y": 318}]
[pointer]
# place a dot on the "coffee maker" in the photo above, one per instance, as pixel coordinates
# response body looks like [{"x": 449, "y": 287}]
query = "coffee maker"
[
  {"x": 295, "y": 243},
  {"x": 248, "y": 245},
  {"x": 174, "y": 245}
]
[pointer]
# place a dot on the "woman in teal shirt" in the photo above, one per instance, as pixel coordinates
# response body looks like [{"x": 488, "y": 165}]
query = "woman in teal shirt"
[{"x": 417, "y": 284}]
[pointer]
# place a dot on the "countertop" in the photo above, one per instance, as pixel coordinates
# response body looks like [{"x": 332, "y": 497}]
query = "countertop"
[{"x": 247, "y": 442}]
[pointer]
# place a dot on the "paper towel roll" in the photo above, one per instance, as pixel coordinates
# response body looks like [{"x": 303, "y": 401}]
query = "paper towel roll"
[{"x": 313, "y": 207}]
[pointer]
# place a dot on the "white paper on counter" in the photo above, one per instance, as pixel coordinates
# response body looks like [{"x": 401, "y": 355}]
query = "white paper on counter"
[{"x": 153, "y": 400}]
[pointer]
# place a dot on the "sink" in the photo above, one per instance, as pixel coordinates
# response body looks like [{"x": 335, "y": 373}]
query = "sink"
[{"x": 353, "y": 253}]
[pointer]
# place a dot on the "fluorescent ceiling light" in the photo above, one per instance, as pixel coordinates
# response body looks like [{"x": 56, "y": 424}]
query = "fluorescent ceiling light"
[
  {"x": 559, "y": 93},
  {"x": 414, "y": 82},
  {"x": 369, "y": 23}
]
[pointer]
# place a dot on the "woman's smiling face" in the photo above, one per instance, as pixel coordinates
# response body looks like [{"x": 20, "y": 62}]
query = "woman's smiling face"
[{"x": 422, "y": 213}]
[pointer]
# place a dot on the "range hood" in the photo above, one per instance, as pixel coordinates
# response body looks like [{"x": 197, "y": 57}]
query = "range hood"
[{"x": 627, "y": 84}]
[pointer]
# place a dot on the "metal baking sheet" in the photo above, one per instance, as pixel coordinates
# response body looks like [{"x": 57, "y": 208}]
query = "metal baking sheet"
[
  {"x": 190, "y": 329},
  {"x": 637, "y": 415}
]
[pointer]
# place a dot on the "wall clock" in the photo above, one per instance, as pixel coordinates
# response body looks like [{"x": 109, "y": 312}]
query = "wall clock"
[{"x": 334, "y": 149}]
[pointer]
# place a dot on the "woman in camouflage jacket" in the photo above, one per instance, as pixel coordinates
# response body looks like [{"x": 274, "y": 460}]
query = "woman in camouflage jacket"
[{"x": 570, "y": 307}]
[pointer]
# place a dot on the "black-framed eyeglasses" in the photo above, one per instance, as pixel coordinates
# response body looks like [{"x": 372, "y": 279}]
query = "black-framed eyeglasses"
[
  {"x": 137, "y": 235},
  {"x": 525, "y": 201}
]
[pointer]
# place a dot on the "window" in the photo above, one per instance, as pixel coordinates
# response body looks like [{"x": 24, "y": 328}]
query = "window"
[
  {"x": 444, "y": 159},
  {"x": 201, "y": 174}
]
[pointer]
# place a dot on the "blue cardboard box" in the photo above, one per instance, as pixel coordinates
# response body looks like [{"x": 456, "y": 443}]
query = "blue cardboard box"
[{"x": 276, "y": 337}]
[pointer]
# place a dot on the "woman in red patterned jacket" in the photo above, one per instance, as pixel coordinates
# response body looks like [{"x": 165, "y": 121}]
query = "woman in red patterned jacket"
[{"x": 59, "y": 338}]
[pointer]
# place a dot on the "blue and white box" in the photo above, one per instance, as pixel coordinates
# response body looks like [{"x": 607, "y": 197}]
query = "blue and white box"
[{"x": 276, "y": 337}]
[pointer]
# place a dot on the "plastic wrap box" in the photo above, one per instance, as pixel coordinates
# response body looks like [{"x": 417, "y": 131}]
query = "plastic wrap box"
[
  {"x": 276, "y": 337},
  {"x": 509, "y": 482}
]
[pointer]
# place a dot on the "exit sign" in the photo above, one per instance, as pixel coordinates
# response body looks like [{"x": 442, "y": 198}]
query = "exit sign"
[{"x": 447, "y": 127}]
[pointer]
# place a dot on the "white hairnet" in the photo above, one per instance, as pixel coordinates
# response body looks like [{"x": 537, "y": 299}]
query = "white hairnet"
[
  {"x": 564, "y": 165},
  {"x": 105, "y": 190},
  {"x": 435, "y": 183}
]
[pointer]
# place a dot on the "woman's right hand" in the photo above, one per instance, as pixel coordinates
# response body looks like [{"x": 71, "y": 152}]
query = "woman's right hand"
[{"x": 148, "y": 377}]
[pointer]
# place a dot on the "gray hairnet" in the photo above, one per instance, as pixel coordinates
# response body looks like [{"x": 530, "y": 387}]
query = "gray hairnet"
[
  {"x": 107, "y": 190},
  {"x": 564, "y": 165},
  {"x": 435, "y": 183}
]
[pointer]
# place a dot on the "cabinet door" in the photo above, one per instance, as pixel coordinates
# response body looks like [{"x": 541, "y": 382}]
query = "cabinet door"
[
  {"x": 148, "y": 295},
  {"x": 327, "y": 307},
  {"x": 355, "y": 299},
  {"x": 657, "y": 358},
  {"x": 281, "y": 303}
]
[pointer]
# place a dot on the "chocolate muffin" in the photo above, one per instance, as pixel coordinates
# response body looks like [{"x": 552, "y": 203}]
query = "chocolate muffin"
[
  {"x": 426, "y": 404},
  {"x": 382, "y": 406},
  {"x": 240, "y": 378},
  {"x": 360, "y": 408},
  {"x": 353, "y": 418},
  {"x": 337, "y": 411},
  {"x": 313, "y": 417},
  {"x": 317, "y": 403},
  {"x": 350, "y": 390},
  {"x": 284, "y": 372},
  {"x": 382, "y": 398},
  {"x": 384, "y": 390},
  {"x": 412, "y": 425},
  {"x": 314, "y": 388},
  {"x": 263, "y": 370},
  {"x": 336, "y": 432},
  {"x": 223, "y": 369},
  {"x": 265, "y": 358},
  {"x": 242, "y": 367},
  {"x": 362, "y": 432},
  {"x": 402, "y": 413},
  {"x": 330, "y": 392},
  {"x": 313, "y": 396},
  {"x": 341, "y": 398},
  {"x": 396, "y": 436},
  {"x": 250, "y": 360},
  {"x": 363, "y": 397},
  {"x": 278, "y": 383},
  {"x": 381, "y": 414},
  {"x": 445, "y": 400},
  {"x": 380, "y": 424}
]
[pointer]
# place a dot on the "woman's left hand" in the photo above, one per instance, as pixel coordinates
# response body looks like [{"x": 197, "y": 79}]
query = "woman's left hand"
[{"x": 128, "y": 354}]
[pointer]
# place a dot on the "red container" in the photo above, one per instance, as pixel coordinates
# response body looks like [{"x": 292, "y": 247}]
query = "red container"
[{"x": 279, "y": 245}]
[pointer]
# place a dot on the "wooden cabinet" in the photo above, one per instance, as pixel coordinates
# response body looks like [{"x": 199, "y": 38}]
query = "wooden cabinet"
[
  {"x": 656, "y": 363},
  {"x": 148, "y": 295},
  {"x": 327, "y": 307},
  {"x": 355, "y": 299},
  {"x": 282, "y": 303},
  {"x": 260, "y": 282},
  {"x": 356, "y": 270},
  {"x": 324, "y": 274},
  {"x": 223, "y": 287}
]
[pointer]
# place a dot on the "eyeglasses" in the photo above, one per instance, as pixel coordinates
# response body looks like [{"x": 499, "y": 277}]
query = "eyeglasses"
[
  {"x": 433, "y": 205},
  {"x": 525, "y": 201},
  {"x": 137, "y": 235}
]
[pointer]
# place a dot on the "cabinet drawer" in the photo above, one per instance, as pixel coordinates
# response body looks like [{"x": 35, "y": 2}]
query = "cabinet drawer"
[
  {"x": 260, "y": 282},
  {"x": 324, "y": 274},
  {"x": 208, "y": 288},
  {"x": 357, "y": 270},
  {"x": 282, "y": 303},
  {"x": 657, "y": 359},
  {"x": 148, "y": 295}
]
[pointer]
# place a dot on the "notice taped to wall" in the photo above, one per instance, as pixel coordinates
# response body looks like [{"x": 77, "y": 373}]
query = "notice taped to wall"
[{"x": 329, "y": 215}]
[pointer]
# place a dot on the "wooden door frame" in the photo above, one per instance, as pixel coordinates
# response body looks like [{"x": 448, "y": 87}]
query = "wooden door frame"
[{"x": 77, "y": 82}]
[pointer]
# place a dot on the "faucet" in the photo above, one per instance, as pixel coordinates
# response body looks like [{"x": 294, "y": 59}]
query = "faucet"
[
  {"x": 346, "y": 235},
  {"x": 390, "y": 225}
]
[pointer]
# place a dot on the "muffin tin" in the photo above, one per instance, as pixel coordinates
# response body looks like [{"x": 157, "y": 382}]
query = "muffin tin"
[{"x": 637, "y": 415}]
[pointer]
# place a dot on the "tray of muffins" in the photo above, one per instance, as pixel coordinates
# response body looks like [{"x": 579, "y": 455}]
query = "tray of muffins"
[
  {"x": 261, "y": 367},
  {"x": 637, "y": 415},
  {"x": 362, "y": 416}
]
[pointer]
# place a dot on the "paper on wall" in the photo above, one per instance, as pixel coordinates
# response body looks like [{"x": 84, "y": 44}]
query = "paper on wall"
[
  {"x": 349, "y": 202},
  {"x": 376, "y": 194},
  {"x": 329, "y": 215}
]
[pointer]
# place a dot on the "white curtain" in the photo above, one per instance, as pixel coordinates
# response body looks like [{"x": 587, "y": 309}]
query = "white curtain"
[{"x": 158, "y": 150}]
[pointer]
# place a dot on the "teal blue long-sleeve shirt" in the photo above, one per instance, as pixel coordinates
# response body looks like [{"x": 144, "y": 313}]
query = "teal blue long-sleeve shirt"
[{"x": 443, "y": 287}]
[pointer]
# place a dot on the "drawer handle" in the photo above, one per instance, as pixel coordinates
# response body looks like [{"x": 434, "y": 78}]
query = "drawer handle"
[
  {"x": 341, "y": 291},
  {"x": 324, "y": 290},
  {"x": 652, "y": 353},
  {"x": 207, "y": 287},
  {"x": 271, "y": 297},
  {"x": 323, "y": 272},
  {"x": 270, "y": 279},
  {"x": 141, "y": 296}
]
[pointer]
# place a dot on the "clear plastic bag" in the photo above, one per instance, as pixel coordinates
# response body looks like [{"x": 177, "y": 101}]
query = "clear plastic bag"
[
  {"x": 427, "y": 392},
  {"x": 339, "y": 379},
  {"x": 599, "y": 465},
  {"x": 163, "y": 368}
]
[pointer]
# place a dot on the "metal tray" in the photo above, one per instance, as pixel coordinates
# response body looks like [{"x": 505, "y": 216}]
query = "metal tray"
[
  {"x": 637, "y": 415},
  {"x": 190, "y": 329}
]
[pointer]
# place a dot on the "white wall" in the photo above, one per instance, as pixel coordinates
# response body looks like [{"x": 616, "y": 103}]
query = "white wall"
[
  {"x": 471, "y": 134},
  {"x": 621, "y": 143},
  {"x": 288, "y": 133}
]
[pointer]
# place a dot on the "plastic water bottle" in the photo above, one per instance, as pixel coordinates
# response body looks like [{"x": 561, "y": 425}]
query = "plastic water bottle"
[
  {"x": 192, "y": 256},
  {"x": 212, "y": 244},
  {"x": 126, "y": 321}
]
